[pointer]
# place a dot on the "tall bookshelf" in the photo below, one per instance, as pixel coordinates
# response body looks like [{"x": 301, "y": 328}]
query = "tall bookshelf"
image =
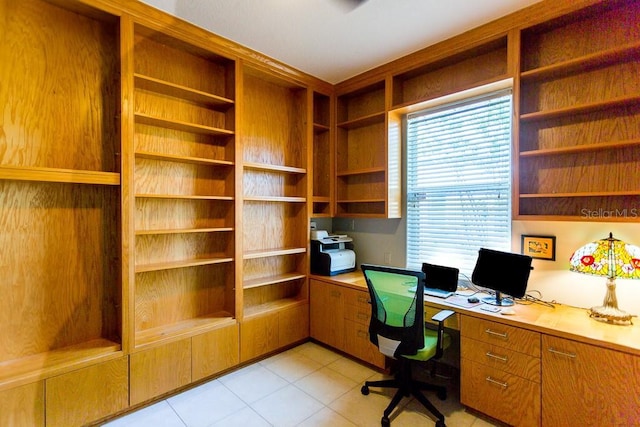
[
  {"x": 274, "y": 220},
  {"x": 184, "y": 185},
  {"x": 323, "y": 155}
]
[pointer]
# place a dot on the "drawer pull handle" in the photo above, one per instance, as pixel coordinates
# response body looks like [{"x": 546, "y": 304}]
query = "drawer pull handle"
[
  {"x": 495, "y": 356},
  {"x": 364, "y": 300},
  {"x": 500, "y": 383},
  {"x": 363, "y": 316},
  {"x": 561, "y": 353},
  {"x": 497, "y": 334},
  {"x": 362, "y": 334},
  {"x": 335, "y": 294}
]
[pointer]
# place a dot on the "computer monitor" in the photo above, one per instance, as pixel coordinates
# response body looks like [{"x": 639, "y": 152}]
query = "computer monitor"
[
  {"x": 503, "y": 272},
  {"x": 440, "y": 277}
]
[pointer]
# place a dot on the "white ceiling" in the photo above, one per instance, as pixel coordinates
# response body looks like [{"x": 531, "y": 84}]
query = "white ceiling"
[{"x": 337, "y": 39}]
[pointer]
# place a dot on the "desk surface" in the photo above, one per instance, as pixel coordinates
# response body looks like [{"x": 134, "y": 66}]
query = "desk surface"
[{"x": 563, "y": 321}]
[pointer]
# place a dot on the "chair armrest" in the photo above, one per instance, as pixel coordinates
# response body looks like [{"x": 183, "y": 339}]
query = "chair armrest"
[{"x": 441, "y": 316}]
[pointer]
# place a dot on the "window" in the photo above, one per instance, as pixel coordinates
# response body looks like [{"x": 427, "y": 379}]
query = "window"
[{"x": 459, "y": 181}]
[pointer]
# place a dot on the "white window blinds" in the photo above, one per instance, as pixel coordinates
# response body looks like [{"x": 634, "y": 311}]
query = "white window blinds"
[{"x": 459, "y": 181}]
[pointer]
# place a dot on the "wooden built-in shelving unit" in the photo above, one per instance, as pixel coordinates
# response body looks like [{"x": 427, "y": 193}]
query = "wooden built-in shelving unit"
[{"x": 579, "y": 113}]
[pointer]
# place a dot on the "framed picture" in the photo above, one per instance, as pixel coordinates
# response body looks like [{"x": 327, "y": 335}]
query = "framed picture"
[{"x": 539, "y": 247}]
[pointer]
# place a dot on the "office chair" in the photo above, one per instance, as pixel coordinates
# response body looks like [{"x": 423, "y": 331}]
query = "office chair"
[{"x": 397, "y": 328}]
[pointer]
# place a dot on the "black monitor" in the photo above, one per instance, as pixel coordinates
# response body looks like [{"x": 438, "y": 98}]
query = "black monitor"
[
  {"x": 440, "y": 277},
  {"x": 503, "y": 272}
]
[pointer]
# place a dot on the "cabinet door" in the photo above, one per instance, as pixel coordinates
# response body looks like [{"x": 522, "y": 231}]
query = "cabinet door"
[
  {"x": 215, "y": 351},
  {"x": 88, "y": 394},
  {"x": 327, "y": 313},
  {"x": 160, "y": 370},
  {"x": 259, "y": 335},
  {"x": 23, "y": 406},
  {"x": 587, "y": 385},
  {"x": 293, "y": 324}
]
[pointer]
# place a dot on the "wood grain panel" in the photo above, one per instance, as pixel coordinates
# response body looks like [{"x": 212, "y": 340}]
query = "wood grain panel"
[
  {"x": 364, "y": 186},
  {"x": 59, "y": 88},
  {"x": 265, "y": 183},
  {"x": 273, "y": 266},
  {"x": 274, "y": 130},
  {"x": 452, "y": 75},
  {"x": 159, "y": 370},
  {"x": 174, "y": 178},
  {"x": 322, "y": 164},
  {"x": 259, "y": 335},
  {"x": 64, "y": 255},
  {"x": 168, "y": 141},
  {"x": 23, "y": 406},
  {"x": 580, "y": 37},
  {"x": 293, "y": 324},
  {"x": 215, "y": 351},
  {"x": 86, "y": 395},
  {"x": 599, "y": 171},
  {"x": 327, "y": 313},
  {"x": 266, "y": 298},
  {"x": 183, "y": 246},
  {"x": 504, "y": 359},
  {"x": 189, "y": 66},
  {"x": 361, "y": 148},
  {"x": 362, "y": 102},
  {"x": 170, "y": 296},
  {"x": 614, "y": 81},
  {"x": 171, "y": 108},
  {"x": 589, "y": 386},
  {"x": 619, "y": 124},
  {"x": 273, "y": 225},
  {"x": 172, "y": 214},
  {"x": 593, "y": 208}
]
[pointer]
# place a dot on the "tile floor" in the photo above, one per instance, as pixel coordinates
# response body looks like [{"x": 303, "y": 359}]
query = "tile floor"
[{"x": 308, "y": 385}]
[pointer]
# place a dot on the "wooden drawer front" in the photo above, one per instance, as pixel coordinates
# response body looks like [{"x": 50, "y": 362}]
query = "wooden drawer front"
[
  {"x": 357, "y": 298},
  {"x": 215, "y": 351},
  {"x": 358, "y": 314},
  {"x": 452, "y": 322},
  {"x": 504, "y": 396},
  {"x": 357, "y": 344},
  {"x": 160, "y": 370},
  {"x": 513, "y": 362},
  {"x": 80, "y": 397},
  {"x": 501, "y": 335},
  {"x": 23, "y": 406}
]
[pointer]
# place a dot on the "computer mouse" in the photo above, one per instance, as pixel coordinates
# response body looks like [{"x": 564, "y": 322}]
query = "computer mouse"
[
  {"x": 473, "y": 300},
  {"x": 507, "y": 311}
]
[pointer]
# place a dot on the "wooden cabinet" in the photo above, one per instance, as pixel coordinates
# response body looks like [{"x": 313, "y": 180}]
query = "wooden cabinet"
[
  {"x": 587, "y": 385},
  {"x": 500, "y": 371},
  {"x": 340, "y": 318},
  {"x": 274, "y": 213},
  {"x": 579, "y": 116},
  {"x": 184, "y": 184},
  {"x": 61, "y": 305},
  {"x": 367, "y": 170},
  {"x": 323, "y": 155},
  {"x": 23, "y": 406}
]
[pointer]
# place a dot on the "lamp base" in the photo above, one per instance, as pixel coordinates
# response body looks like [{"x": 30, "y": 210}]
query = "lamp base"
[{"x": 611, "y": 314}]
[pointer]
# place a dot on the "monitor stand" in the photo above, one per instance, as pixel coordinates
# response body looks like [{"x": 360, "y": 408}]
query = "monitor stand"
[{"x": 498, "y": 300}]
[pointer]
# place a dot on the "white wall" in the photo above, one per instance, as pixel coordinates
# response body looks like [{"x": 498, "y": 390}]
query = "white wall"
[{"x": 373, "y": 238}]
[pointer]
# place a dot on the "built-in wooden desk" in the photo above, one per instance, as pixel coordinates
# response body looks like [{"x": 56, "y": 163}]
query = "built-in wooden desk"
[{"x": 541, "y": 366}]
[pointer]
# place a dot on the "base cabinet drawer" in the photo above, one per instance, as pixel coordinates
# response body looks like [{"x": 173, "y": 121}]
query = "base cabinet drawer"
[{"x": 501, "y": 395}]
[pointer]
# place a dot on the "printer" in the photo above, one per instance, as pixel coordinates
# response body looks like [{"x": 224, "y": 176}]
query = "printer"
[{"x": 331, "y": 255}]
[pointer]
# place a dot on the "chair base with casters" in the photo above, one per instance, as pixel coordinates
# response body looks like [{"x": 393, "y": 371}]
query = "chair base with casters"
[{"x": 407, "y": 386}]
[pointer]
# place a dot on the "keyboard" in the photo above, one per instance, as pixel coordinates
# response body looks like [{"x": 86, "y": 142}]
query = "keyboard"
[{"x": 439, "y": 293}]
